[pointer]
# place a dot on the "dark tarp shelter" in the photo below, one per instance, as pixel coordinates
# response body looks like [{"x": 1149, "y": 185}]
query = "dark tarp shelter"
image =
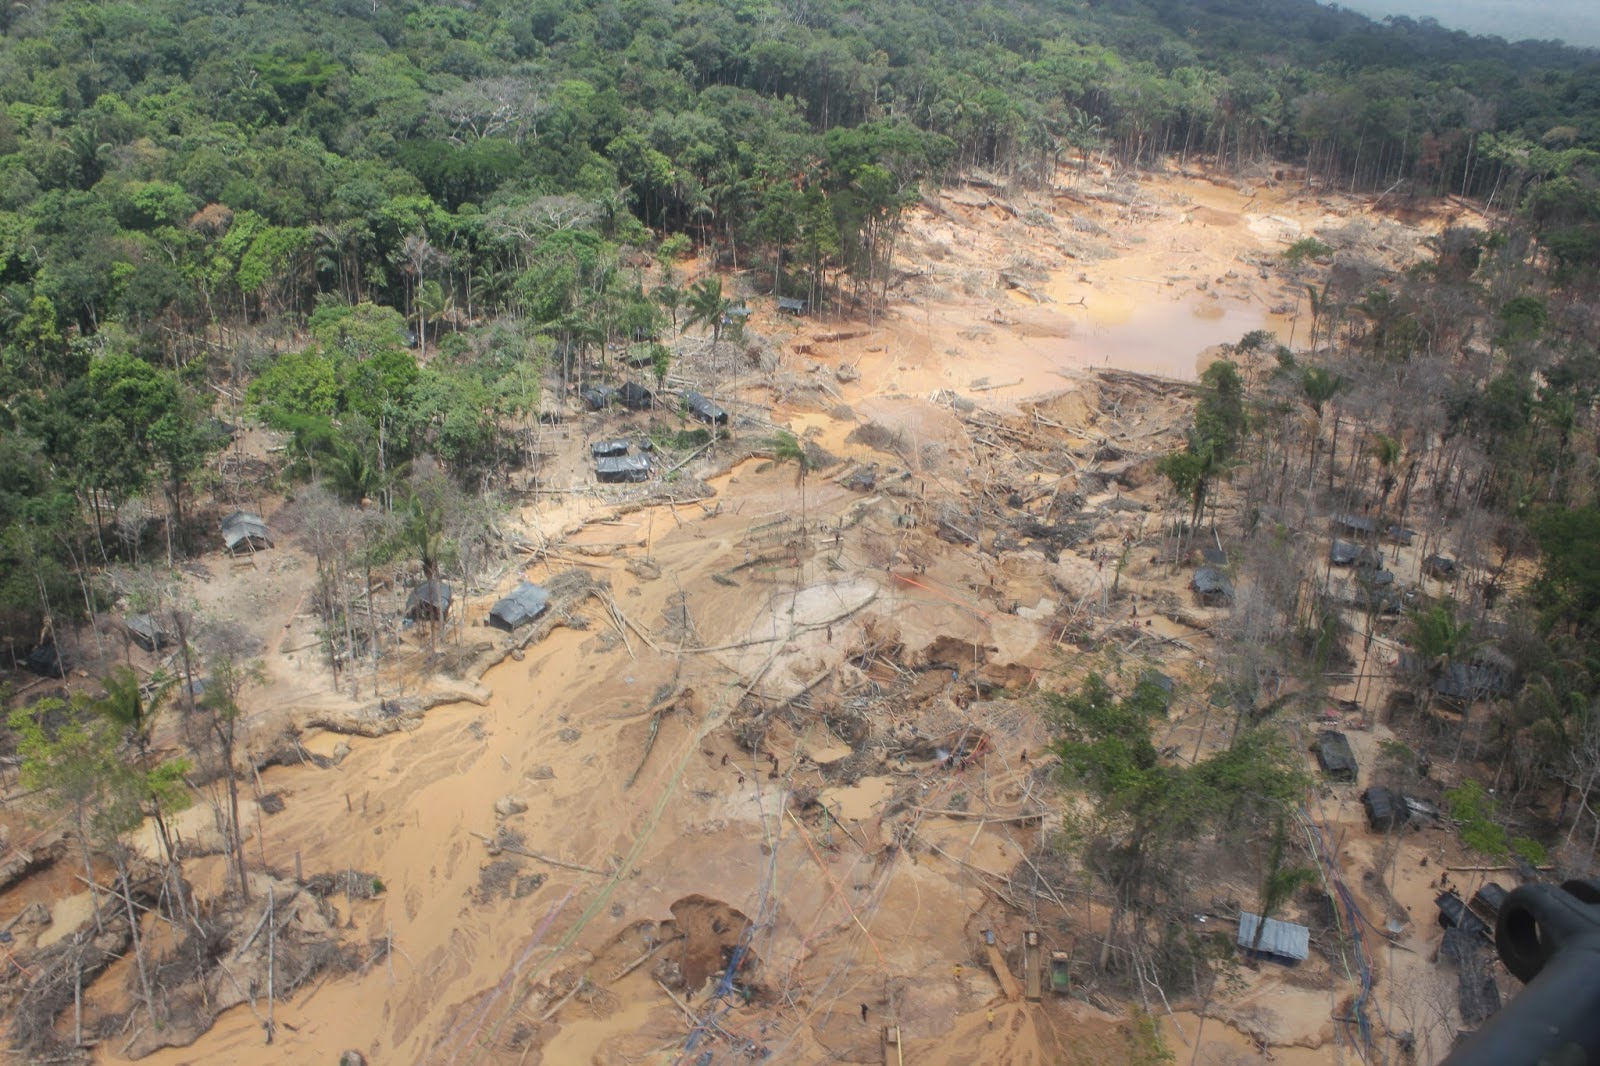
[
  {"x": 1440, "y": 567},
  {"x": 1344, "y": 553},
  {"x": 1378, "y": 578},
  {"x": 704, "y": 409},
  {"x": 1453, "y": 914},
  {"x": 1335, "y": 757},
  {"x": 1400, "y": 535},
  {"x": 429, "y": 601},
  {"x": 1478, "y": 995},
  {"x": 598, "y": 397},
  {"x": 47, "y": 660},
  {"x": 1354, "y": 523},
  {"x": 635, "y": 397},
  {"x": 1487, "y": 901},
  {"x": 519, "y": 607},
  {"x": 1460, "y": 948},
  {"x": 145, "y": 631},
  {"x": 1160, "y": 681},
  {"x": 606, "y": 449},
  {"x": 245, "y": 530},
  {"x": 1211, "y": 585},
  {"x": 1384, "y": 811},
  {"x": 620, "y": 469},
  {"x": 1214, "y": 556},
  {"x": 1466, "y": 682},
  {"x": 1283, "y": 942}
]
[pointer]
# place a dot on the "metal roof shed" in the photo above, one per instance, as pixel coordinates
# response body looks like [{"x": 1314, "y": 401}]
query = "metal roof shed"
[
  {"x": 519, "y": 607},
  {"x": 704, "y": 409},
  {"x": 1335, "y": 757},
  {"x": 245, "y": 529},
  {"x": 1283, "y": 942},
  {"x": 608, "y": 449},
  {"x": 621, "y": 469},
  {"x": 429, "y": 601}
]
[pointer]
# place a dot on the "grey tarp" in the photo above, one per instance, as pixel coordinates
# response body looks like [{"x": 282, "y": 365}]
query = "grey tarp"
[
  {"x": 245, "y": 529},
  {"x": 607, "y": 449},
  {"x": 704, "y": 409},
  {"x": 1344, "y": 553},
  {"x": 519, "y": 607},
  {"x": 1281, "y": 941},
  {"x": 145, "y": 631},
  {"x": 1335, "y": 757},
  {"x": 792, "y": 306},
  {"x": 429, "y": 600},
  {"x": 1209, "y": 582},
  {"x": 622, "y": 468},
  {"x": 597, "y": 397}
]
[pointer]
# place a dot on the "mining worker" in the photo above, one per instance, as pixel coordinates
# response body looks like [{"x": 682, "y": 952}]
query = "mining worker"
[
  {"x": 863, "y": 1012},
  {"x": 990, "y": 1017}
]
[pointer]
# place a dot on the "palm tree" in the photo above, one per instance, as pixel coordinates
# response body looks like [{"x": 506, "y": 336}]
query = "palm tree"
[
  {"x": 670, "y": 297},
  {"x": 707, "y": 307},
  {"x": 433, "y": 302},
  {"x": 1318, "y": 385},
  {"x": 787, "y": 448}
]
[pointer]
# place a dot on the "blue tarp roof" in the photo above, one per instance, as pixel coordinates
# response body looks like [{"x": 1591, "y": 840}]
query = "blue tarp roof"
[{"x": 1284, "y": 940}]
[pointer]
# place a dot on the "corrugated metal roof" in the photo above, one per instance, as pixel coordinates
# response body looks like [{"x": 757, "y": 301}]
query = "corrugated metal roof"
[{"x": 1283, "y": 939}]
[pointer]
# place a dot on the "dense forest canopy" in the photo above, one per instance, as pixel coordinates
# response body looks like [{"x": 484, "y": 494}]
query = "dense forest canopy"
[{"x": 362, "y": 174}]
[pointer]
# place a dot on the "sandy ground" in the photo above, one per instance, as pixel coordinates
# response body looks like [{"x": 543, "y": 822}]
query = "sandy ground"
[{"x": 620, "y": 739}]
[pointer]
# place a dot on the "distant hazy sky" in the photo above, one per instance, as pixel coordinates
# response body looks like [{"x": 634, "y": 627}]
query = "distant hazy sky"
[{"x": 1573, "y": 21}]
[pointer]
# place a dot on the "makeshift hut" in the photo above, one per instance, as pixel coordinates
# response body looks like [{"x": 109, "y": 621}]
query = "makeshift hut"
[
  {"x": 1281, "y": 942},
  {"x": 1478, "y": 997},
  {"x": 519, "y": 607},
  {"x": 1439, "y": 567},
  {"x": 1211, "y": 587},
  {"x": 1378, "y": 578},
  {"x": 1453, "y": 914},
  {"x": 606, "y": 449},
  {"x": 1418, "y": 809},
  {"x": 1355, "y": 525},
  {"x": 1160, "y": 681},
  {"x": 245, "y": 531},
  {"x": 429, "y": 602},
  {"x": 1384, "y": 810},
  {"x": 1344, "y": 553},
  {"x": 145, "y": 631},
  {"x": 1400, "y": 535},
  {"x": 1213, "y": 556},
  {"x": 598, "y": 397},
  {"x": 622, "y": 469},
  {"x": 47, "y": 660},
  {"x": 1487, "y": 901},
  {"x": 1335, "y": 757},
  {"x": 1466, "y": 683},
  {"x": 704, "y": 410},
  {"x": 790, "y": 306},
  {"x": 635, "y": 397}
]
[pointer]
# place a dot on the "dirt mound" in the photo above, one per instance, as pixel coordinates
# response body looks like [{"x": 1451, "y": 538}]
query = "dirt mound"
[{"x": 710, "y": 933}]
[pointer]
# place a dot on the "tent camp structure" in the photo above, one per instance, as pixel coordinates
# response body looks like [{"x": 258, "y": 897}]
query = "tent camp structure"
[
  {"x": 622, "y": 469},
  {"x": 429, "y": 601},
  {"x": 1335, "y": 757},
  {"x": 635, "y": 397},
  {"x": 704, "y": 410},
  {"x": 145, "y": 631},
  {"x": 245, "y": 531},
  {"x": 520, "y": 606}
]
